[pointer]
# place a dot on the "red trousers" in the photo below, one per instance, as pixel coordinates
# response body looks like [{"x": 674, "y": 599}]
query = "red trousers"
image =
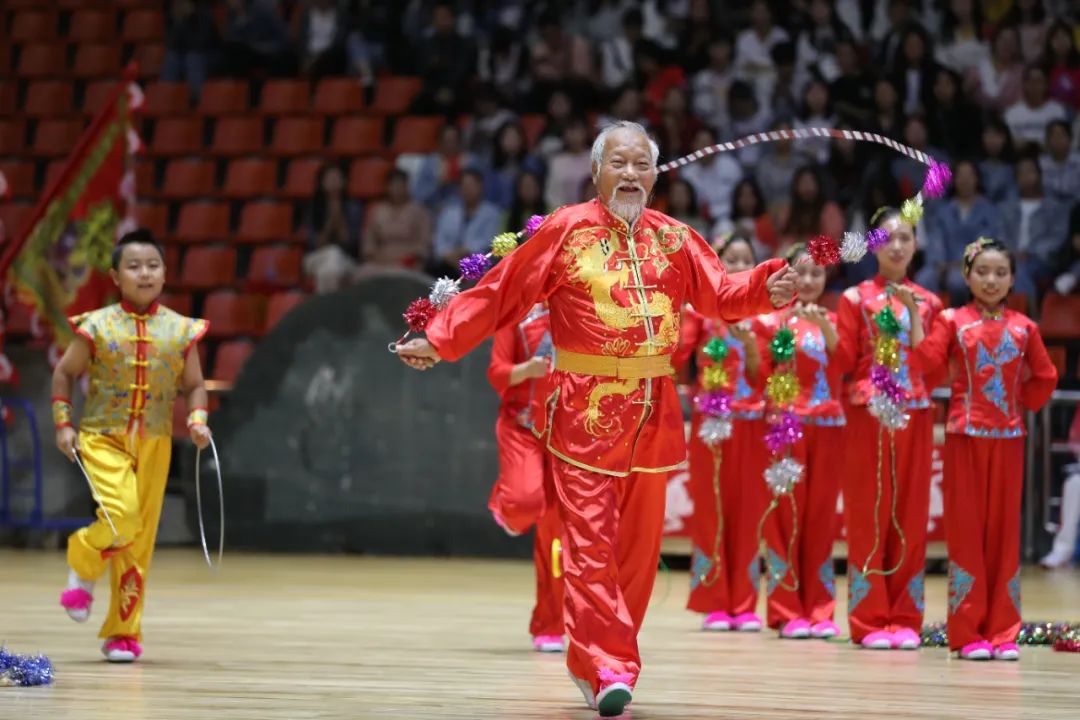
[
  {"x": 799, "y": 534},
  {"x": 724, "y": 576},
  {"x": 878, "y": 601},
  {"x": 524, "y": 495},
  {"x": 612, "y": 527},
  {"x": 984, "y": 480}
]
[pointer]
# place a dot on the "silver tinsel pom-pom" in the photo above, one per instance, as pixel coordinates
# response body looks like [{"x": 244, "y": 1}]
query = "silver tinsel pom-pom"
[
  {"x": 888, "y": 413},
  {"x": 443, "y": 291},
  {"x": 852, "y": 247},
  {"x": 714, "y": 430},
  {"x": 781, "y": 475}
]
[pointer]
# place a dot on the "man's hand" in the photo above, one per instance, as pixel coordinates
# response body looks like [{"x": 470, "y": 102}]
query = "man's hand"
[
  {"x": 781, "y": 286},
  {"x": 67, "y": 440},
  {"x": 200, "y": 435},
  {"x": 418, "y": 354}
]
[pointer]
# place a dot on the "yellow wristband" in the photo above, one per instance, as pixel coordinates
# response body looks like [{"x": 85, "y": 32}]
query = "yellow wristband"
[
  {"x": 198, "y": 416},
  {"x": 61, "y": 413}
]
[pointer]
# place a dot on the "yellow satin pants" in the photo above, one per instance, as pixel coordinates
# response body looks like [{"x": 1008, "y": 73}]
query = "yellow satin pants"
[{"x": 129, "y": 475}]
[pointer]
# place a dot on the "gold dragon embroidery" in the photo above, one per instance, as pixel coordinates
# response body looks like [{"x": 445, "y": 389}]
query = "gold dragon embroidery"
[{"x": 589, "y": 251}]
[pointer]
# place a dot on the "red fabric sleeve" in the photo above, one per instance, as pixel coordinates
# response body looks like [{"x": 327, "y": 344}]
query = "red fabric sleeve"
[
  {"x": 502, "y": 359},
  {"x": 933, "y": 351},
  {"x": 690, "y": 331},
  {"x": 505, "y": 295},
  {"x": 1036, "y": 390},
  {"x": 714, "y": 293},
  {"x": 847, "y": 331}
]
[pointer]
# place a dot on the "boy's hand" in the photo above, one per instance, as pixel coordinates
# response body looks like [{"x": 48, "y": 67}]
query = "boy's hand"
[
  {"x": 67, "y": 440},
  {"x": 200, "y": 435}
]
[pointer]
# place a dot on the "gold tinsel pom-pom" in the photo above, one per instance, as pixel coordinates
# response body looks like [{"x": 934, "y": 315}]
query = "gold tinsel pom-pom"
[
  {"x": 782, "y": 388},
  {"x": 503, "y": 244},
  {"x": 714, "y": 377},
  {"x": 911, "y": 211},
  {"x": 887, "y": 352}
]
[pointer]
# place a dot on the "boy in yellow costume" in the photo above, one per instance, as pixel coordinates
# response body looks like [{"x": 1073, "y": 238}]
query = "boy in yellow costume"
[{"x": 139, "y": 355}]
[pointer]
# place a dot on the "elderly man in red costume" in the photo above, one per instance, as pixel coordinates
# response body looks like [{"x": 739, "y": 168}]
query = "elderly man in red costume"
[{"x": 614, "y": 275}]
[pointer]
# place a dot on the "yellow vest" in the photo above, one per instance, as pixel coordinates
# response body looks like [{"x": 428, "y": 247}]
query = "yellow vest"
[{"x": 137, "y": 365}]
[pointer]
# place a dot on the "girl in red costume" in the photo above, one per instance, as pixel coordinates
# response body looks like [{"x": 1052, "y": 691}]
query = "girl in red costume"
[
  {"x": 799, "y": 537},
  {"x": 726, "y": 485},
  {"x": 523, "y": 495},
  {"x": 886, "y": 486},
  {"x": 999, "y": 366}
]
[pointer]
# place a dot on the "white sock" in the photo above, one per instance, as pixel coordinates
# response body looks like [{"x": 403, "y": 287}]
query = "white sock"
[{"x": 76, "y": 583}]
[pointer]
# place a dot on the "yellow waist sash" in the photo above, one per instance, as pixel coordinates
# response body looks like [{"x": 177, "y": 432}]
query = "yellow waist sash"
[{"x": 624, "y": 368}]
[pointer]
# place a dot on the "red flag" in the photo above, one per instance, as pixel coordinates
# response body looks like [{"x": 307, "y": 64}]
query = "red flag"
[{"x": 72, "y": 230}]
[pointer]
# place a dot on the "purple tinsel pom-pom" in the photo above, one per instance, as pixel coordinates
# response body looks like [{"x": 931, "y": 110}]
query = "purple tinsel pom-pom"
[
  {"x": 25, "y": 670},
  {"x": 715, "y": 403},
  {"x": 883, "y": 381},
  {"x": 533, "y": 224},
  {"x": 876, "y": 239},
  {"x": 937, "y": 180},
  {"x": 474, "y": 266},
  {"x": 784, "y": 430}
]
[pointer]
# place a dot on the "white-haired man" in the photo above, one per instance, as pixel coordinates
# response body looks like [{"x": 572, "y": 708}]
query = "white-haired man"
[{"x": 615, "y": 275}]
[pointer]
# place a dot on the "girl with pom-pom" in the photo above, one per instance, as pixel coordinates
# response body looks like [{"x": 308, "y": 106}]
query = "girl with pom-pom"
[
  {"x": 999, "y": 366},
  {"x": 727, "y": 459},
  {"x": 799, "y": 537},
  {"x": 888, "y": 443},
  {"x": 524, "y": 493}
]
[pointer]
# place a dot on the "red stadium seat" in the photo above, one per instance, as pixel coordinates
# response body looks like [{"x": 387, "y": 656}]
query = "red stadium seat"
[
  {"x": 275, "y": 266},
  {"x": 250, "y": 177},
  {"x": 280, "y": 305},
  {"x": 229, "y": 359},
  {"x": 202, "y": 222},
  {"x": 207, "y": 267},
  {"x": 262, "y": 222},
  {"x": 232, "y": 314}
]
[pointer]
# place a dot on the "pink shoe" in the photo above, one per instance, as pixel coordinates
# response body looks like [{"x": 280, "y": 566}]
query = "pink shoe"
[
  {"x": 77, "y": 603},
  {"x": 906, "y": 639},
  {"x": 548, "y": 643},
  {"x": 615, "y": 693},
  {"x": 824, "y": 630},
  {"x": 797, "y": 629},
  {"x": 979, "y": 650},
  {"x": 747, "y": 622},
  {"x": 1007, "y": 651},
  {"x": 717, "y": 622},
  {"x": 121, "y": 649},
  {"x": 878, "y": 640}
]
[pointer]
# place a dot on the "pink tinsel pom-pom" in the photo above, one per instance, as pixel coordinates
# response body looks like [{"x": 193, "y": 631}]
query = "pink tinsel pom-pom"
[
  {"x": 532, "y": 225},
  {"x": 937, "y": 180}
]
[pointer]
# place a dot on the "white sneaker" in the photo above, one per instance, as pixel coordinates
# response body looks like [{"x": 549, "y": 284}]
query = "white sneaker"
[
  {"x": 586, "y": 690},
  {"x": 613, "y": 699}
]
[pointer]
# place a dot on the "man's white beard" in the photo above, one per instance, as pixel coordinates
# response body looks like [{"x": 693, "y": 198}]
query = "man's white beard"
[{"x": 629, "y": 211}]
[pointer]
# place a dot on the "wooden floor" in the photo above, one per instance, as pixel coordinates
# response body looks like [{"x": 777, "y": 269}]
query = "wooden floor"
[{"x": 293, "y": 638}]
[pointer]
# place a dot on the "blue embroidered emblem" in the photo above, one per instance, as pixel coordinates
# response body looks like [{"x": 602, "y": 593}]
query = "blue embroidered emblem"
[
  {"x": 755, "y": 572},
  {"x": 916, "y": 590},
  {"x": 777, "y": 569},
  {"x": 700, "y": 566},
  {"x": 960, "y": 584},
  {"x": 1014, "y": 590},
  {"x": 827, "y": 576},
  {"x": 994, "y": 388},
  {"x": 858, "y": 588}
]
